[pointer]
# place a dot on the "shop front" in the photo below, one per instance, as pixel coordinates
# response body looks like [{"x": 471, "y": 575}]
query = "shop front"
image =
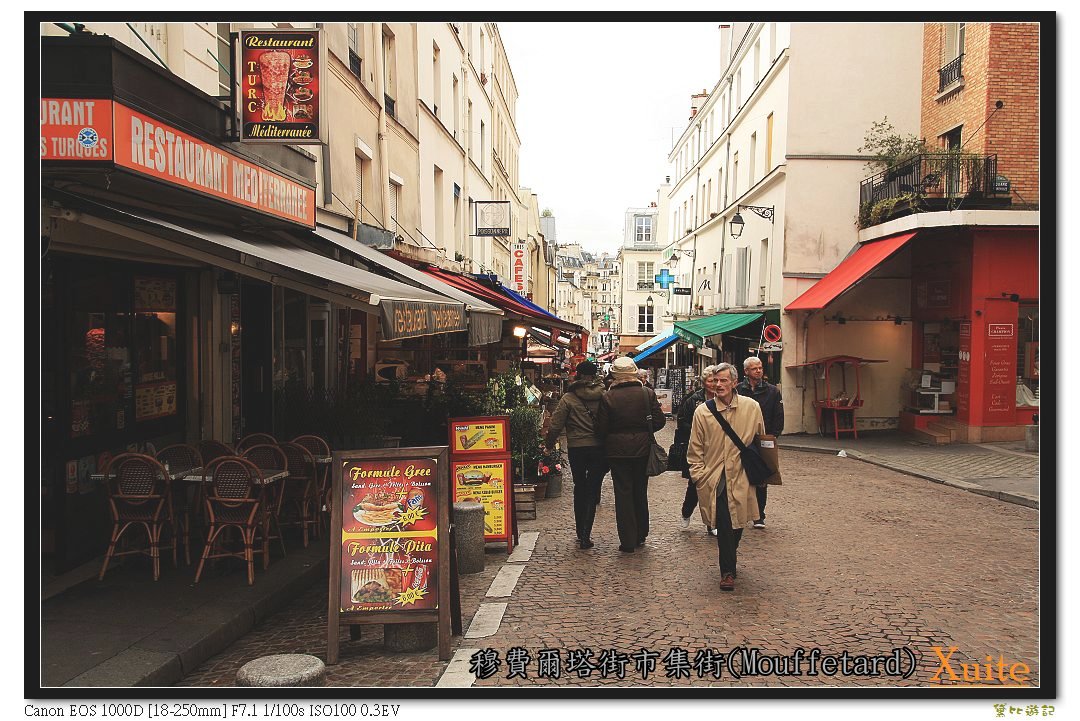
[{"x": 955, "y": 311}]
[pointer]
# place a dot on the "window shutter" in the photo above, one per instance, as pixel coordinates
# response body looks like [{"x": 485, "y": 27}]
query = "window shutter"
[
  {"x": 360, "y": 187},
  {"x": 394, "y": 189}
]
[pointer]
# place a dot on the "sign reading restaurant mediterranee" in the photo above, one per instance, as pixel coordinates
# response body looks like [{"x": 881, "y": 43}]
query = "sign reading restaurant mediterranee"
[
  {"x": 493, "y": 217},
  {"x": 280, "y": 86}
]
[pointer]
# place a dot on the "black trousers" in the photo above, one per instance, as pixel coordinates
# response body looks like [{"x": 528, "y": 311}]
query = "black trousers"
[
  {"x": 631, "y": 481},
  {"x": 690, "y": 500},
  {"x": 588, "y": 465},
  {"x": 762, "y": 497},
  {"x": 727, "y": 539}
]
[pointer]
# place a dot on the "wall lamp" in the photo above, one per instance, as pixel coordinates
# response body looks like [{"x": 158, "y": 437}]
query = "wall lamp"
[
  {"x": 519, "y": 332},
  {"x": 676, "y": 254},
  {"x": 1014, "y": 297},
  {"x": 737, "y": 222}
]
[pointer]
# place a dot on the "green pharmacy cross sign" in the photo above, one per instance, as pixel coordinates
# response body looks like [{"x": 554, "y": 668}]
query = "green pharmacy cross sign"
[{"x": 665, "y": 279}]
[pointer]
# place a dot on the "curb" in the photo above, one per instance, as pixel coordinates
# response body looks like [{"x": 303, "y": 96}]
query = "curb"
[{"x": 1020, "y": 499}]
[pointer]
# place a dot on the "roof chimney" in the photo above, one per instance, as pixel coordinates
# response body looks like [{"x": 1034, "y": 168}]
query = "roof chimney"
[{"x": 696, "y": 101}]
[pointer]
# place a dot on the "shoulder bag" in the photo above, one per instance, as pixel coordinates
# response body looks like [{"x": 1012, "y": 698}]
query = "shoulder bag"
[
  {"x": 658, "y": 457},
  {"x": 757, "y": 470}
]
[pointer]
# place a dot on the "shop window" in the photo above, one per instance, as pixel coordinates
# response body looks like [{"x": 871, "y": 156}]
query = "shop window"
[
  {"x": 291, "y": 340},
  {"x": 155, "y": 348},
  {"x": 1027, "y": 362}
]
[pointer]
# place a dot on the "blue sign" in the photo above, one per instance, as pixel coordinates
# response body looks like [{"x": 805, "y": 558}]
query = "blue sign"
[{"x": 665, "y": 278}]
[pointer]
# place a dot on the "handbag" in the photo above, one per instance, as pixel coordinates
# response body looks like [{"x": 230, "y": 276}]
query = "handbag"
[
  {"x": 768, "y": 448},
  {"x": 658, "y": 457},
  {"x": 757, "y": 470}
]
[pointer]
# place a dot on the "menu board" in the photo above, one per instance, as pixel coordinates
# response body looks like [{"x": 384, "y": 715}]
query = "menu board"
[
  {"x": 484, "y": 482},
  {"x": 155, "y": 295},
  {"x": 388, "y": 535},
  {"x": 280, "y": 86},
  {"x": 480, "y": 435},
  {"x": 155, "y": 400},
  {"x": 389, "y": 541}
]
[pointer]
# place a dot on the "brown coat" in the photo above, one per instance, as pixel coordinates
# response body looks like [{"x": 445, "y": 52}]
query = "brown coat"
[
  {"x": 712, "y": 452},
  {"x": 621, "y": 421}
]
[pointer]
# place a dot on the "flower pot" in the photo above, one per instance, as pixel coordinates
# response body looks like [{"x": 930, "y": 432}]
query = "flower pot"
[{"x": 554, "y": 485}]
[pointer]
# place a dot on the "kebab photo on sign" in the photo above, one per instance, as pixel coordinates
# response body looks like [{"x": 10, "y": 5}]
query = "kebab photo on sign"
[{"x": 386, "y": 507}]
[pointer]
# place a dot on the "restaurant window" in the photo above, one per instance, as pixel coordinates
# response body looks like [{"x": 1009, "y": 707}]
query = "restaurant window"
[
  {"x": 645, "y": 319},
  {"x": 290, "y": 339}
]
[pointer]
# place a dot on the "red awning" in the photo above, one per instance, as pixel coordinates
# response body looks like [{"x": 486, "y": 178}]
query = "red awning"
[
  {"x": 850, "y": 271},
  {"x": 497, "y": 299}
]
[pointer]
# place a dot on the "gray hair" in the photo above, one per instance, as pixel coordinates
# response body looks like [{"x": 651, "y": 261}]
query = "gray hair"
[
  {"x": 750, "y": 360},
  {"x": 730, "y": 369},
  {"x": 708, "y": 372}
]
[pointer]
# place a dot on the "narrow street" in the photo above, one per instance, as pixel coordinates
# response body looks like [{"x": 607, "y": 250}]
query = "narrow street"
[{"x": 855, "y": 558}]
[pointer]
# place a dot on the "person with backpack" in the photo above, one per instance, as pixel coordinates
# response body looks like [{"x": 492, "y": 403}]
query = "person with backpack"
[{"x": 576, "y": 414}]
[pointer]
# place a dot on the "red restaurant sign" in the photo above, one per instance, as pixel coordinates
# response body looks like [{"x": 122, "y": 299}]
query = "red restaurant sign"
[
  {"x": 280, "y": 95},
  {"x": 76, "y": 129}
]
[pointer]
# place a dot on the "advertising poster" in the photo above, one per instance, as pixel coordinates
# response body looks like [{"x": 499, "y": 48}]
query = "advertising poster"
[
  {"x": 479, "y": 435},
  {"x": 389, "y": 535},
  {"x": 280, "y": 86},
  {"x": 155, "y": 400},
  {"x": 1000, "y": 359},
  {"x": 155, "y": 295},
  {"x": 484, "y": 482},
  {"x": 664, "y": 396}
]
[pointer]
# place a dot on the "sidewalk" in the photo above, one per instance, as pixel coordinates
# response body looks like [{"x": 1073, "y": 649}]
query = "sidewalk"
[
  {"x": 130, "y": 631},
  {"x": 1004, "y": 471}
]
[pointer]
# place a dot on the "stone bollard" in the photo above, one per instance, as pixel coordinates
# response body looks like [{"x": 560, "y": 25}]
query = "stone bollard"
[
  {"x": 1031, "y": 438},
  {"x": 469, "y": 534},
  {"x": 399, "y": 637},
  {"x": 284, "y": 669}
]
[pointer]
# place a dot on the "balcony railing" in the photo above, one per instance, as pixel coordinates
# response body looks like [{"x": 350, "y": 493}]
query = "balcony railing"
[
  {"x": 951, "y": 73},
  {"x": 645, "y": 285},
  {"x": 937, "y": 181}
]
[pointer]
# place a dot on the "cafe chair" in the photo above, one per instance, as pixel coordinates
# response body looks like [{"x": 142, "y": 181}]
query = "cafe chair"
[
  {"x": 300, "y": 492},
  {"x": 138, "y": 492},
  {"x": 235, "y": 499},
  {"x": 267, "y": 457},
  {"x": 254, "y": 439},
  {"x": 178, "y": 458},
  {"x": 318, "y": 447},
  {"x": 211, "y": 449}
]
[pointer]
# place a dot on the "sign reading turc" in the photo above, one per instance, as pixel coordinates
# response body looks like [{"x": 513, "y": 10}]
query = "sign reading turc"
[{"x": 280, "y": 94}]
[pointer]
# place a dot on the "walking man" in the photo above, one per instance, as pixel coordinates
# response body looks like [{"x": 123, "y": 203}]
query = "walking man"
[
  {"x": 576, "y": 413},
  {"x": 684, "y": 419},
  {"x": 728, "y": 502},
  {"x": 629, "y": 414},
  {"x": 768, "y": 397}
]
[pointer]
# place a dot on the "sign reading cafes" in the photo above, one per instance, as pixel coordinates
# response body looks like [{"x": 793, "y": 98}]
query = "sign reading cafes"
[
  {"x": 280, "y": 96},
  {"x": 80, "y": 130}
]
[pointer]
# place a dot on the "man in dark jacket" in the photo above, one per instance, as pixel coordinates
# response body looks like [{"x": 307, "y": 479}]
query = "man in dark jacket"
[
  {"x": 768, "y": 397},
  {"x": 629, "y": 414},
  {"x": 685, "y": 418},
  {"x": 576, "y": 413}
]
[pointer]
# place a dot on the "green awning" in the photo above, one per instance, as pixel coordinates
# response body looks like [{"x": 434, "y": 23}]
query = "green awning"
[{"x": 697, "y": 330}]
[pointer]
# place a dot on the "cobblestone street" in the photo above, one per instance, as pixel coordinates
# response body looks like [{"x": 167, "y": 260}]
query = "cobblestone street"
[{"x": 856, "y": 558}]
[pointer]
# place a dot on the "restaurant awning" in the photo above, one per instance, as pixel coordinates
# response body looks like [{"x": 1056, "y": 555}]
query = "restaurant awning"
[
  {"x": 406, "y": 311},
  {"x": 485, "y": 320},
  {"x": 851, "y": 270},
  {"x": 697, "y": 330},
  {"x": 656, "y": 348}
]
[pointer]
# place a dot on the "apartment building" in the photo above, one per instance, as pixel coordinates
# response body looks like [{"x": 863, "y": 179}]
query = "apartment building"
[
  {"x": 644, "y": 303},
  {"x": 773, "y": 146}
]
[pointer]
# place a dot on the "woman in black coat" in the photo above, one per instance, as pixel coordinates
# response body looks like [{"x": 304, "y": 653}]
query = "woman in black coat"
[{"x": 629, "y": 414}]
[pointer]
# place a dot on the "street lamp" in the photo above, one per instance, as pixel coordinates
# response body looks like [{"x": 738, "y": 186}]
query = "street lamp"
[{"x": 737, "y": 222}]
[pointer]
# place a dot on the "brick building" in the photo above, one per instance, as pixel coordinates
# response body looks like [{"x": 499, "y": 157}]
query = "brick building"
[{"x": 950, "y": 274}]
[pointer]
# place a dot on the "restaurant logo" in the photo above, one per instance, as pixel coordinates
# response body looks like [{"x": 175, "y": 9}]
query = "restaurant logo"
[
  {"x": 1000, "y": 330},
  {"x": 76, "y": 129},
  {"x": 280, "y": 97}
]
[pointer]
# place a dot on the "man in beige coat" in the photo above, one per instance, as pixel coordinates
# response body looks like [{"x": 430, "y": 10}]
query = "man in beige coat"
[{"x": 728, "y": 501}]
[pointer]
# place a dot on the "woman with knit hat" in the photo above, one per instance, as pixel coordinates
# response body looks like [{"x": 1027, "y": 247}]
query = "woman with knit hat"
[{"x": 629, "y": 415}]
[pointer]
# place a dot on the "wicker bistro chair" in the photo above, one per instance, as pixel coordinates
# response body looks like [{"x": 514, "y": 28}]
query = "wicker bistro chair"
[
  {"x": 319, "y": 447},
  {"x": 236, "y": 499},
  {"x": 210, "y": 449},
  {"x": 139, "y": 496},
  {"x": 268, "y": 457},
  {"x": 254, "y": 439},
  {"x": 182, "y": 457},
  {"x": 300, "y": 491}
]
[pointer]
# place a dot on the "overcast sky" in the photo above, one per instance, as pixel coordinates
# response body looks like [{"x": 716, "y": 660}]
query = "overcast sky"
[{"x": 598, "y": 107}]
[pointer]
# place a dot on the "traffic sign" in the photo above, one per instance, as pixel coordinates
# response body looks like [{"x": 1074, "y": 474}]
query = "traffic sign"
[
  {"x": 771, "y": 333},
  {"x": 771, "y": 347}
]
